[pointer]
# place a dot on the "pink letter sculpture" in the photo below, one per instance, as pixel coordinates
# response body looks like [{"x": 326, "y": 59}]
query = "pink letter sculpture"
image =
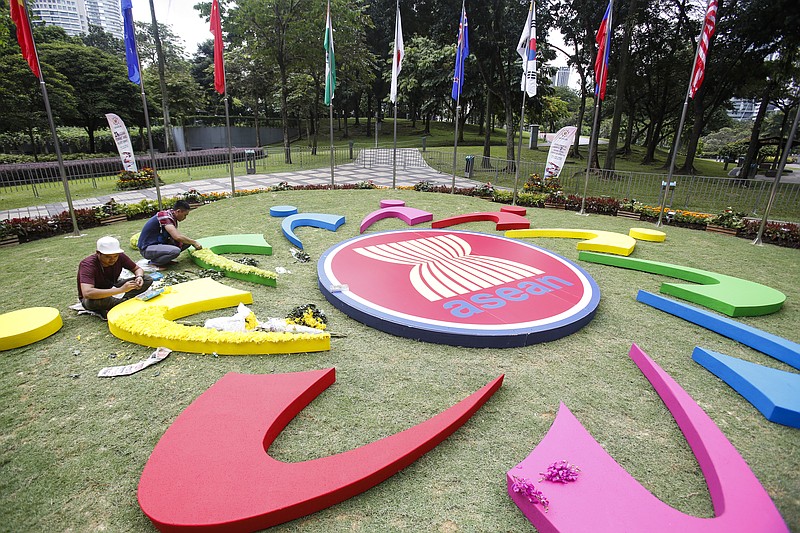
[
  {"x": 606, "y": 498},
  {"x": 211, "y": 470}
]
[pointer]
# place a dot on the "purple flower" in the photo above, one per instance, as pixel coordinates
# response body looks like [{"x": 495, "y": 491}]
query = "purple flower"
[
  {"x": 526, "y": 488},
  {"x": 561, "y": 472}
]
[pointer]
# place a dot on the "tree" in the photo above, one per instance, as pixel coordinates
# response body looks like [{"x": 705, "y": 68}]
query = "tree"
[
  {"x": 100, "y": 84},
  {"x": 21, "y": 98},
  {"x": 101, "y": 39}
]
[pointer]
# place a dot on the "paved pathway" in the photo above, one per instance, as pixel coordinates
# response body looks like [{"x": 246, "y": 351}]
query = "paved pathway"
[{"x": 380, "y": 174}]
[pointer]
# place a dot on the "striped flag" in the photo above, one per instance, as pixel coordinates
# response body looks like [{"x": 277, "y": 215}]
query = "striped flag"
[
  {"x": 129, "y": 31},
  {"x": 603, "y": 40},
  {"x": 462, "y": 51},
  {"x": 330, "y": 60},
  {"x": 702, "y": 48},
  {"x": 219, "y": 63},
  {"x": 24, "y": 36},
  {"x": 397, "y": 58},
  {"x": 527, "y": 51}
]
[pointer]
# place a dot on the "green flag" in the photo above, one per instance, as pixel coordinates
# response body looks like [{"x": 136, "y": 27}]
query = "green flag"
[{"x": 330, "y": 61}]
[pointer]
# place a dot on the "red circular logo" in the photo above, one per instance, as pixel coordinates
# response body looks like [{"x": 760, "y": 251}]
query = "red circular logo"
[{"x": 455, "y": 287}]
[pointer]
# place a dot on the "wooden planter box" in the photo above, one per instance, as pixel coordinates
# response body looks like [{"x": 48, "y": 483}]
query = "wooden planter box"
[
  {"x": 553, "y": 206},
  {"x": 113, "y": 219},
  {"x": 195, "y": 205},
  {"x": 720, "y": 229},
  {"x": 9, "y": 240},
  {"x": 628, "y": 214}
]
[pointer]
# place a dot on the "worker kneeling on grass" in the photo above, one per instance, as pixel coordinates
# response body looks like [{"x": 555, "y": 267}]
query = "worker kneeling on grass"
[
  {"x": 99, "y": 283},
  {"x": 160, "y": 241}
]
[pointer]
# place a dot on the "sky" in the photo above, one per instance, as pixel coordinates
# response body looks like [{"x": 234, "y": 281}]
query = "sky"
[{"x": 185, "y": 21}]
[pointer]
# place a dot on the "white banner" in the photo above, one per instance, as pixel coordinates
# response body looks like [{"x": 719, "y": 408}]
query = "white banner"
[
  {"x": 559, "y": 147},
  {"x": 123, "y": 141}
]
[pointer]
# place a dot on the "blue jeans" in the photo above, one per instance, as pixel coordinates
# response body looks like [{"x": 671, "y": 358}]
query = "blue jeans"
[{"x": 161, "y": 254}]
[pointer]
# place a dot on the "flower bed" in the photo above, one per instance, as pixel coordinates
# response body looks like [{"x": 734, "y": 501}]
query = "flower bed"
[{"x": 128, "y": 180}]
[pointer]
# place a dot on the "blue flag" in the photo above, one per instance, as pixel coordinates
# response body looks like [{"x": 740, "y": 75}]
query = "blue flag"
[
  {"x": 462, "y": 51},
  {"x": 131, "y": 55}
]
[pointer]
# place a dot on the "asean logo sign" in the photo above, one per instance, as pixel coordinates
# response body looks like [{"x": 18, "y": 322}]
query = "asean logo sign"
[{"x": 458, "y": 288}]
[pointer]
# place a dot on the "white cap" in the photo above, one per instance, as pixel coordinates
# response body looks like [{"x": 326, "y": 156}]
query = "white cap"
[{"x": 108, "y": 246}]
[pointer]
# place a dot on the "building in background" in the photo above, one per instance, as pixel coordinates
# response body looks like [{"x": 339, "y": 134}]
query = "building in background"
[
  {"x": 561, "y": 77},
  {"x": 743, "y": 109},
  {"x": 75, "y": 16}
]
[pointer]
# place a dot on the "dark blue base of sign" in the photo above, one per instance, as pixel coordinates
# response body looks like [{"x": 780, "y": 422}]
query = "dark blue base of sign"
[{"x": 468, "y": 339}]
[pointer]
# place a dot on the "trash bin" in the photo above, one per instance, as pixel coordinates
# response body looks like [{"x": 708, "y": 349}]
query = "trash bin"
[
  {"x": 533, "y": 140},
  {"x": 470, "y": 166},
  {"x": 250, "y": 161}
]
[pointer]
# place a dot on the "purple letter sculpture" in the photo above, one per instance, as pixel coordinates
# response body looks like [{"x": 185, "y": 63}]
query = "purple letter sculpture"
[{"x": 607, "y": 498}]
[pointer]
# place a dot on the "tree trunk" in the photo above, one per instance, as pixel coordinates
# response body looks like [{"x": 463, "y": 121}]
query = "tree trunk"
[
  {"x": 369, "y": 114},
  {"x": 161, "y": 79},
  {"x": 622, "y": 82},
  {"x": 487, "y": 134},
  {"x": 510, "y": 130},
  {"x": 754, "y": 145},
  {"x": 257, "y": 126}
]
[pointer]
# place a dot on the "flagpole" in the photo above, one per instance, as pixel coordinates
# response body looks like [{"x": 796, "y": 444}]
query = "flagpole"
[
  {"x": 677, "y": 143},
  {"x": 394, "y": 61},
  {"x": 455, "y": 143},
  {"x": 228, "y": 134},
  {"x": 328, "y": 68},
  {"x": 522, "y": 112},
  {"x": 595, "y": 134},
  {"x": 774, "y": 189},
  {"x": 330, "y": 117},
  {"x": 519, "y": 144},
  {"x": 149, "y": 132},
  {"x": 459, "y": 51},
  {"x": 61, "y": 170}
]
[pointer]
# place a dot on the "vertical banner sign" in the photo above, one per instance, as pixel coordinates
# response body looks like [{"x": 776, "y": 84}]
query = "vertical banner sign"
[
  {"x": 559, "y": 148},
  {"x": 123, "y": 141}
]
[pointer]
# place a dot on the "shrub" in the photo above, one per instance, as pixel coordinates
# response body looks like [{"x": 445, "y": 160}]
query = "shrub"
[
  {"x": 537, "y": 184},
  {"x": 484, "y": 189},
  {"x": 141, "y": 179},
  {"x": 531, "y": 199},
  {"x": 779, "y": 233},
  {"x": 728, "y": 219}
]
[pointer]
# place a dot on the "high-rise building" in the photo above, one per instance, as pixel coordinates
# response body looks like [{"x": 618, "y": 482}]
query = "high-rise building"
[
  {"x": 561, "y": 77},
  {"x": 743, "y": 109},
  {"x": 75, "y": 16}
]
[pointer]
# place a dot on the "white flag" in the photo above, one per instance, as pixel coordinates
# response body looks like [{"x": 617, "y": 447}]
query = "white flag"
[
  {"x": 559, "y": 147},
  {"x": 123, "y": 141},
  {"x": 527, "y": 51},
  {"x": 397, "y": 58}
]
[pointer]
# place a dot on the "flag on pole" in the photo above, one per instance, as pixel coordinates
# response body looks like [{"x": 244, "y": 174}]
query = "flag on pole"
[
  {"x": 603, "y": 40},
  {"x": 527, "y": 51},
  {"x": 24, "y": 36},
  {"x": 709, "y": 27},
  {"x": 219, "y": 64},
  {"x": 330, "y": 60},
  {"x": 129, "y": 32},
  {"x": 397, "y": 58},
  {"x": 462, "y": 51}
]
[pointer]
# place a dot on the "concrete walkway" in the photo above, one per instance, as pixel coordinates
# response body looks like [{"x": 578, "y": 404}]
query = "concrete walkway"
[{"x": 380, "y": 175}]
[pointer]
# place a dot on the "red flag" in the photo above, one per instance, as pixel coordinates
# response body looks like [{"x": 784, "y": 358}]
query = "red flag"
[
  {"x": 702, "y": 48},
  {"x": 219, "y": 65},
  {"x": 20, "y": 17},
  {"x": 601, "y": 63}
]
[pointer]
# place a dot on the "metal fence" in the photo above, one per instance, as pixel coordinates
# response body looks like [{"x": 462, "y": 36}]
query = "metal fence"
[{"x": 692, "y": 193}]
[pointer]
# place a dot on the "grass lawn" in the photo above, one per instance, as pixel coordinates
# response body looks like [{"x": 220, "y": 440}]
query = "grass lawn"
[{"x": 73, "y": 446}]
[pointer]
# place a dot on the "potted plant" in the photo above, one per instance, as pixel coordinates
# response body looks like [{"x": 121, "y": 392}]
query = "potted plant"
[
  {"x": 729, "y": 222},
  {"x": 193, "y": 197},
  {"x": 8, "y": 236},
  {"x": 109, "y": 213},
  {"x": 627, "y": 209},
  {"x": 484, "y": 190}
]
